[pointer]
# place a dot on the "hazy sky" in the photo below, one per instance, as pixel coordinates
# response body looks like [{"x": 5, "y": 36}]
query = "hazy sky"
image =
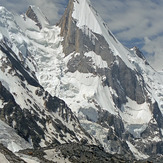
[{"x": 134, "y": 22}]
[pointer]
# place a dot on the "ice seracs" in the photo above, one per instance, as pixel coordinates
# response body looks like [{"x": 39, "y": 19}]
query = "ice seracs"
[
  {"x": 134, "y": 113},
  {"x": 20, "y": 91}
]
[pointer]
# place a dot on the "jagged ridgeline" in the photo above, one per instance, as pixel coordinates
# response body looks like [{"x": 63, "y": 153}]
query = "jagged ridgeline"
[{"x": 72, "y": 92}]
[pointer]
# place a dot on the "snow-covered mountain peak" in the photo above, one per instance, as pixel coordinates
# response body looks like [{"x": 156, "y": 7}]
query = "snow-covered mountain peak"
[
  {"x": 37, "y": 16},
  {"x": 90, "y": 22},
  {"x": 86, "y": 16},
  {"x": 103, "y": 75}
]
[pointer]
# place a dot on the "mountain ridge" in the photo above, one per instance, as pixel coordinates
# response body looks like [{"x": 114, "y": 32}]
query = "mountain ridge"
[{"x": 128, "y": 66}]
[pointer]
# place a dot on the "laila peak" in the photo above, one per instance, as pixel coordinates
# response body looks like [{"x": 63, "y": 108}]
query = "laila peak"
[{"x": 74, "y": 87}]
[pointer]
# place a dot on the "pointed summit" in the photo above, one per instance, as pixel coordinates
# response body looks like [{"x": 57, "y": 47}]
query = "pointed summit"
[
  {"x": 99, "y": 53},
  {"x": 37, "y": 16},
  {"x": 80, "y": 18},
  {"x": 84, "y": 14}
]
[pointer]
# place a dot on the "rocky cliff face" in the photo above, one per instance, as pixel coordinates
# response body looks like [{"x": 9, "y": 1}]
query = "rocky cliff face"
[{"x": 127, "y": 83}]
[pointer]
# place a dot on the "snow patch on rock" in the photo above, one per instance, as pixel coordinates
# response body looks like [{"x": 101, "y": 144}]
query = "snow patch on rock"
[
  {"x": 3, "y": 158},
  {"x": 11, "y": 140},
  {"x": 139, "y": 155}
]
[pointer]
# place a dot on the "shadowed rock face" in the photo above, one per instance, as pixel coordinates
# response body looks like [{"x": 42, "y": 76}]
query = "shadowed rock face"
[{"x": 126, "y": 82}]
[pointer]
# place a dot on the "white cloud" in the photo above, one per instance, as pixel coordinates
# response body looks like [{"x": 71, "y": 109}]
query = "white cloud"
[
  {"x": 15, "y": 5},
  {"x": 132, "y": 19},
  {"x": 154, "y": 48}
]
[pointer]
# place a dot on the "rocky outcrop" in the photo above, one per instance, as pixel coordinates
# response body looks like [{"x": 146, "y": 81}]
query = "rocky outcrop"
[
  {"x": 75, "y": 152},
  {"x": 11, "y": 157},
  {"x": 71, "y": 152}
]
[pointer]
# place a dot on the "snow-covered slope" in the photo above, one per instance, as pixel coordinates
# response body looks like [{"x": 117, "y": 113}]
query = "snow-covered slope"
[
  {"x": 35, "y": 108},
  {"x": 3, "y": 158},
  {"x": 35, "y": 115}
]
